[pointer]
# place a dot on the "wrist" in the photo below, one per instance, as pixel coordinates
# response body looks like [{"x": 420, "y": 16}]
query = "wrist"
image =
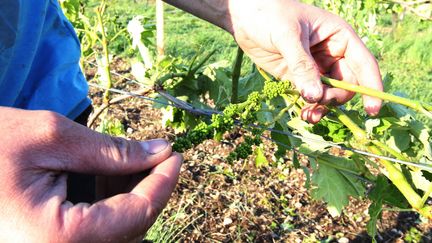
[
  {"x": 243, "y": 12},
  {"x": 213, "y": 11}
]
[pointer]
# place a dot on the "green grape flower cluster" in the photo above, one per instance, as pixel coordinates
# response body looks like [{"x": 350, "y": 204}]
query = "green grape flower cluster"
[
  {"x": 250, "y": 107},
  {"x": 231, "y": 110},
  {"x": 244, "y": 149},
  {"x": 222, "y": 123},
  {"x": 254, "y": 97},
  {"x": 219, "y": 124},
  {"x": 200, "y": 133},
  {"x": 274, "y": 89},
  {"x": 181, "y": 144},
  {"x": 196, "y": 136}
]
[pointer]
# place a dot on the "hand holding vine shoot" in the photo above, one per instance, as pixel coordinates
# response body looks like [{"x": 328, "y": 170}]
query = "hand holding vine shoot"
[{"x": 297, "y": 42}]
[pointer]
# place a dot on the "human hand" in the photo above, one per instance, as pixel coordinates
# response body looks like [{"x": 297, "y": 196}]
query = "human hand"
[
  {"x": 39, "y": 147},
  {"x": 299, "y": 42}
]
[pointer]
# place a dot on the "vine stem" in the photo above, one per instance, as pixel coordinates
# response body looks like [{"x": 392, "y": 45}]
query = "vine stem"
[
  {"x": 264, "y": 74},
  {"x": 425, "y": 109},
  {"x": 391, "y": 151},
  {"x": 104, "y": 41},
  {"x": 286, "y": 109},
  {"x": 426, "y": 195},
  {"x": 236, "y": 75}
]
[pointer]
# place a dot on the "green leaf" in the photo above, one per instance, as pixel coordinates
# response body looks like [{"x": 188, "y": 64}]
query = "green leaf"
[
  {"x": 375, "y": 213},
  {"x": 388, "y": 192},
  {"x": 315, "y": 142},
  {"x": 295, "y": 160},
  {"x": 203, "y": 82},
  {"x": 113, "y": 127},
  {"x": 220, "y": 90},
  {"x": 370, "y": 5},
  {"x": 250, "y": 83},
  {"x": 375, "y": 209},
  {"x": 284, "y": 142},
  {"x": 220, "y": 86},
  {"x": 260, "y": 160},
  {"x": 335, "y": 184},
  {"x": 383, "y": 192},
  {"x": 400, "y": 110},
  {"x": 177, "y": 119},
  {"x": 308, "y": 176},
  {"x": 420, "y": 181},
  {"x": 422, "y": 133},
  {"x": 384, "y": 126},
  {"x": 399, "y": 140},
  {"x": 331, "y": 130},
  {"x": 265, "y": 116}
]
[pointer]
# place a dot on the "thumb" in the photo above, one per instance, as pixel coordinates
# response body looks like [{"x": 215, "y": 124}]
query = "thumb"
[
  {"x": 302, "y": 69},
  {"x": 75, "y": 148}
]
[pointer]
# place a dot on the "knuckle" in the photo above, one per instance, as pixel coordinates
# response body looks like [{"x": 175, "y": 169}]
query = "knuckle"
[
  {"x": 119, "y": 149},
  {"x": 74, "y": 220},
  {"x": 293, "y": 28},
  {"x": 48, "y": 125},
  {"x": 156, "y": 208},
  {"x": 302, "y": 65}
]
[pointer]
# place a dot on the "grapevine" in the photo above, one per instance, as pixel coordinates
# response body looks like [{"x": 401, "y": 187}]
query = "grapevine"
[
  {"x": 398, "y": 134},
  {"x": 261, "y": 108}
]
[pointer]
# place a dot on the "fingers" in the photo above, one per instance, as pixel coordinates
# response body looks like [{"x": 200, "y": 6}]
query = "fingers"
[
  {"x": 313, "y": 113},
  {"x": 364, "y": 66},
  {"x": 75, "y": 148},
  {"x": 303, "y": 70},
  {"x": 125, "y": 216},
  {"x": 334, "y": 96}
]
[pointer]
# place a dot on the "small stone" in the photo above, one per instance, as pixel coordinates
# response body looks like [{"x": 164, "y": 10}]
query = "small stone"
[
  {"x": 129, "y": 130},
  {"x": 298, "y": 205},
  {"x": 227, "y": 221},
  {"x": 343, "y": 240}
]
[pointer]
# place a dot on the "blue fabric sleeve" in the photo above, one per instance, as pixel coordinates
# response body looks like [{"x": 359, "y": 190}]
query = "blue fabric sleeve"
[{"x": 39, "y": 59}]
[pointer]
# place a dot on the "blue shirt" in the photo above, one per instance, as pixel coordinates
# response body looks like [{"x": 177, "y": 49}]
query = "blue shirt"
[{"x": 39, "y": 59}]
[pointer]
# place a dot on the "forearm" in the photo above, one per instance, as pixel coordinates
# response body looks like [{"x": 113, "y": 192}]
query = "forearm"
[{"x": 214, "y": 11}]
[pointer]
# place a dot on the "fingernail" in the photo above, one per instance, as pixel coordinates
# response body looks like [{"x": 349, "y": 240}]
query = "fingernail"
[
  {"x": 372, "y": 106},
  {"x": 312, "y": 93},
  {"x": 372, "y": 110},
  {"x": 154, "y": 146}
]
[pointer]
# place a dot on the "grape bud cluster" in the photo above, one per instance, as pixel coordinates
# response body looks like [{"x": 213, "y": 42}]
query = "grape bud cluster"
[
  {"x": 220, "y": 123},
  {"x": 274, "y": 89},
  {"x": 244, "y": 149}
]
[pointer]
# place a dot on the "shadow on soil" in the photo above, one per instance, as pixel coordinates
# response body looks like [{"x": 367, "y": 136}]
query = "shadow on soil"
[{"x": 406, "y": 221}]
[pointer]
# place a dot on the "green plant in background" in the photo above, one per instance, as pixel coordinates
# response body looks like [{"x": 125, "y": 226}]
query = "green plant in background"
[
  {"x": 113, "y": 127},
  {"x": 413, "y": 68},
  {"x": 74, "y": 11},
  {"x": 413, "y": 236},
  {"x": 169, "y": 230}
]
